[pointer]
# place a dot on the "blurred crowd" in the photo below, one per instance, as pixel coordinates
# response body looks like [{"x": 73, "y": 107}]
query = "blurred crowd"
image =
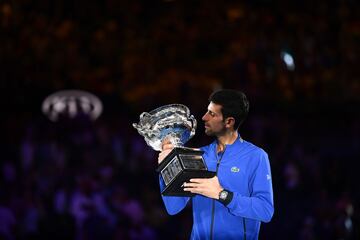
[{"x": 83, "y": 179}]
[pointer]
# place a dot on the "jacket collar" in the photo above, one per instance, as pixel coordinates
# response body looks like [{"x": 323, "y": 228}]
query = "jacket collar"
[{"x": 229, "y": 147}]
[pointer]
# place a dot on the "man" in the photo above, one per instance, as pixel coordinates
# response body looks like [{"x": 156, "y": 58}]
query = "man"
[{"x": 232, "y": 204}]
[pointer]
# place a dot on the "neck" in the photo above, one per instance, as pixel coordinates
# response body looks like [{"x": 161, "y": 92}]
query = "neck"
[{"x": 228, "y": 138}]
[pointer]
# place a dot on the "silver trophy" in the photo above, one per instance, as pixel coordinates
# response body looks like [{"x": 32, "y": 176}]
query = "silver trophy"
[{"x": 174, "y": 123}]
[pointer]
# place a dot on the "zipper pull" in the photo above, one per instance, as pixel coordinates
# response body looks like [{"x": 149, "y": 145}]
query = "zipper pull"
[{"x": 219, "y": 160}]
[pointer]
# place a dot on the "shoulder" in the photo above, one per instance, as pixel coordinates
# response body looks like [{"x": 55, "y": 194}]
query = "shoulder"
[
  {"x": 255, "y": 157},
  {"x": 206, "y": 148},
  {"x": 255, "y": 151}
]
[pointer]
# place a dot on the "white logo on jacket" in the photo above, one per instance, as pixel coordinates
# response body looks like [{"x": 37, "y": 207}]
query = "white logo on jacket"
[{"x": 235, "y": 169}]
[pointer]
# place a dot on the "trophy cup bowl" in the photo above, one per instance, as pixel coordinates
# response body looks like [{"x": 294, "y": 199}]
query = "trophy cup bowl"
[{"x": 174, "y": 122}]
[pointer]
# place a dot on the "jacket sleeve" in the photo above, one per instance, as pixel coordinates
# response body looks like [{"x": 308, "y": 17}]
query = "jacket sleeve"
[
  {"x": 260, "y": 204},
  {"x": 173, "y": 204}
]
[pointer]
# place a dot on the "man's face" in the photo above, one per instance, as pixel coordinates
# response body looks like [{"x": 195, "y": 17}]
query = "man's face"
[{"x": 213, "y": 119}]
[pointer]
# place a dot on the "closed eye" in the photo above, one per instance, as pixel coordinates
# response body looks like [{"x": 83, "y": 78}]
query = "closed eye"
[{"x": 211, "y": 113}]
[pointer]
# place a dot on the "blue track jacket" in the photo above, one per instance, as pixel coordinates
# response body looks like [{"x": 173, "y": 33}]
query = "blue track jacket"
[{"x": 245, "y": 170}]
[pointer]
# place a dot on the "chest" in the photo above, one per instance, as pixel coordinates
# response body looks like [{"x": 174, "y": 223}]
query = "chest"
[{"x": 234, "y": 171}]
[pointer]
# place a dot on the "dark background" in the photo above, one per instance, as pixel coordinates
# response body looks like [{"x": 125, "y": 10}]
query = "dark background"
[{"x": 82, "y": 179}]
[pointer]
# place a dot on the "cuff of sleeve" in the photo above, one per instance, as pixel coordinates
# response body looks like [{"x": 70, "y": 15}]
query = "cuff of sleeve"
[{"x": 228, "y": 199}]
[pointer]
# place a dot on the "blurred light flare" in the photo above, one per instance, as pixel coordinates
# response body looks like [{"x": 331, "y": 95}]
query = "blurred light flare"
[
  {"x": 71, "y": 103},
  {"x": 288, "y": 60}
]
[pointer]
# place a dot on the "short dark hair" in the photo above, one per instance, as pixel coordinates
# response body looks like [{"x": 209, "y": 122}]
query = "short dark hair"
[{"x": 234, "y": 104}]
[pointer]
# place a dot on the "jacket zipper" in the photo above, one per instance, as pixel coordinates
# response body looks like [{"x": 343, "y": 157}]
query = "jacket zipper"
[
  {"x": 213, "y": 202},
  {"x": 244, "y": 224}
]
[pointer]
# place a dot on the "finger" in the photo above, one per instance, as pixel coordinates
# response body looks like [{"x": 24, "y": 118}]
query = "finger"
[
  {"x": 164, "y": 153},
  {"x": 192, "y": 189},
  {"x": 214, "y": 178},
  {"x": 167, "y": 146},
  {"x": 190, "y": 185},
  {"x": 197, "y": 180},
  {"x": 160, "y": 158},
  {"x": 166, "y": 141},
  {"x": 167, "y": 151}
]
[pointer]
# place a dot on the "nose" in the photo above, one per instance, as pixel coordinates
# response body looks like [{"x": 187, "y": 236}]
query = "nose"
[{"x": 204, "y": 117}]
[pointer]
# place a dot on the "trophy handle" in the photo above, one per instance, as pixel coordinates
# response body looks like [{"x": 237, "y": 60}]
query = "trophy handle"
[
  {"x": 193, "y": 122},
  {"x": 145, "y": 115}
]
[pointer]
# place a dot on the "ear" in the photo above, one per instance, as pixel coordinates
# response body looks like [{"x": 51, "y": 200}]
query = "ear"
[{"x": 229, "y": 122}]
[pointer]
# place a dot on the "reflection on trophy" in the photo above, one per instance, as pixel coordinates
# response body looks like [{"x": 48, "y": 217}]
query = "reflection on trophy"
[{"x": 174, "y": 123}]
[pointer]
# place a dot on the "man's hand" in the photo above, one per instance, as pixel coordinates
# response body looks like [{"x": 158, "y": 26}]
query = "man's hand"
[
  {"x": 167, "y": 147},
  {"x": 209, "y": 187}
]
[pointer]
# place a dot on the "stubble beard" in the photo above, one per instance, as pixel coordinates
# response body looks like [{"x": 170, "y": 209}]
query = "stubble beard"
[{"x": 209, "y": 133}]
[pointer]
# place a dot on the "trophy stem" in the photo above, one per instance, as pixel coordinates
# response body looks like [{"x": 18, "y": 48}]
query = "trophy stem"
[{"x": 176, "y": 142}]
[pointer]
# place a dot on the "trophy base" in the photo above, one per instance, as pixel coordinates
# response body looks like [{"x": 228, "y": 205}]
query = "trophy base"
[
  {"x": 180, "y": 166},
  {"x": 176, "y": 187}
]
